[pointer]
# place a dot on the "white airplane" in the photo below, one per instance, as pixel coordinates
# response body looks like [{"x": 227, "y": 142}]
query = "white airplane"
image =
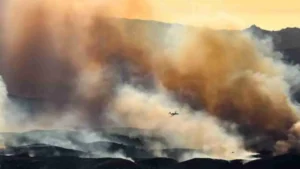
[{"x": 173, "y": 114}]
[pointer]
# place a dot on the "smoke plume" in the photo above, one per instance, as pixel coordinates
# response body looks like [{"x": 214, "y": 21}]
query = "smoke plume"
[{"x": 109, "y": 71}]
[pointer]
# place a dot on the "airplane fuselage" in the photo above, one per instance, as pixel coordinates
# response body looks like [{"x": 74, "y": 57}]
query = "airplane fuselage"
[{"x": 173, "y": 114}]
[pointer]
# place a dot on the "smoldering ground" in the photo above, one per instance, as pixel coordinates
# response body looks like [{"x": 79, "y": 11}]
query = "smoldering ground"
[{"x": 130, "y": 73}]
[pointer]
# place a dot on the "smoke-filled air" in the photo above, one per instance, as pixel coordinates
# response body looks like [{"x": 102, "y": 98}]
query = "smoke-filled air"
[{"x": 92, "y": 69}]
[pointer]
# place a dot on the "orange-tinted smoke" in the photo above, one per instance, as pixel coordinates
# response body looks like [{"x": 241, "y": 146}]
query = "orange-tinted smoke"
[
  {"x": 51, "y": 45},
  {"x": 135, "y": 9},
  {"x": 231, "y": 79}
]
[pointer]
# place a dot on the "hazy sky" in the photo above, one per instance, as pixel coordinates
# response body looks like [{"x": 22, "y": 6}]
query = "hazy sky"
[{"x": 268, "y": 14}]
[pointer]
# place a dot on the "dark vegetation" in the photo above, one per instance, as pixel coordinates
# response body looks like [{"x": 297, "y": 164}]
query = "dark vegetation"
[{"x": 24, "y": 150}]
